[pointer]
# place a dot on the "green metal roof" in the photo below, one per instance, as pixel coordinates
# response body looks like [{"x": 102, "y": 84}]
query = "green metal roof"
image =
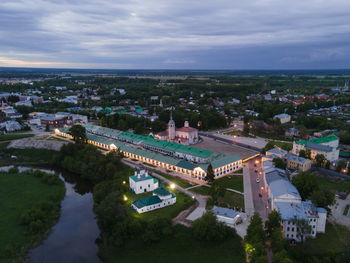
[
  {"x": 142, "y": 178},
  {"x": 186, "y": 165},
  {"x": 146, "y": 201},
  {"x": 325, "y": 139},
  {"x": 162, "y": 191}
]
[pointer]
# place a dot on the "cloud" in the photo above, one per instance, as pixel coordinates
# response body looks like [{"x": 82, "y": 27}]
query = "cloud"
[{"x": 177, "y": 33}]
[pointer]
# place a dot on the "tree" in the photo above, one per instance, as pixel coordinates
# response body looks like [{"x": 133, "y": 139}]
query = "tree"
[
  {"x": 255, "y": 231},
  {"x": 210, "y": 177},
  {"x": 306, "y": 183},
  {"x": 78, "y": 132},
  {"x": 308, "y": 154},
  {"x": 303, "y": 228},
  {"x": 208, "y": 228},
  {"x": 340, "y": 165},
  {"x": 122, "y": 125},
  {"x": 302, "y": 153},
  {"x": 320, "y": 160},
  {"x": 255, "y": 240},
  {"x": 273, "y": 222},
  {"x": 279, "y": 163},
  {"x": 323, "y": 198},
  {"x": 139, "y": 128},
  {"x": 47, "y": 127}
]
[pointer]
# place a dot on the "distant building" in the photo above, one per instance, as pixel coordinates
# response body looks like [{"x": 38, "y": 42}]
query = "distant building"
[
  {"x": 284, "y": 118},
  {"x": 280, "y": 153},
  {"x": 11, "y": 126},
  {"x": 185, "y": 135},
  {"x": 161, "y": 197},
  {"x": 328, "y": 146},
  {"x": 297, "y": 163},
  {"x": 141, "y": 182},
  {"x": 291, "y": 132}
]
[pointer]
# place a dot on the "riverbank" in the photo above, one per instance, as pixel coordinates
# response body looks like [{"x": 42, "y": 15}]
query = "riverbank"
[{"x": 30, "y": 206}]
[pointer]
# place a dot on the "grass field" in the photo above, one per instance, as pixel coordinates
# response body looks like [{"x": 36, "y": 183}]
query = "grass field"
[
  {"x": 26, "y": 156},
  {"x": 10, "y": 137},
  {"x": 336, "y": 184},
  {"x": 336, "y": 240},
  {"x": 177, "y": 180},
  {"x": 182, "y": 202},
  {"x": 231, "y": 200},
  {"x": 235, "y": 182},
  {"x": 181, "y": 246},
  {"x": 19, "y": 192},
  {"x": 202, "y": 190}
]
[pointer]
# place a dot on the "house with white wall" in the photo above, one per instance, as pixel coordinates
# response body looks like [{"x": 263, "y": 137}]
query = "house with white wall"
[{"x": 142, "y": 182}]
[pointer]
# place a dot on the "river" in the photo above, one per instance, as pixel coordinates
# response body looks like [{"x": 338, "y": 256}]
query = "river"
[{"x": 72, "y": 239}]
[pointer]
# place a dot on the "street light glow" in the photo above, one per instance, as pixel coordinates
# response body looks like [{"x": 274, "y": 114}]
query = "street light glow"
[
  {"x": 172, "y": 186},
  {"x": 125, "y": 198}
]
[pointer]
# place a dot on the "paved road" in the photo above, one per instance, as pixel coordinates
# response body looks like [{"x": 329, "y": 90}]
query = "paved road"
[
  {"x": 259, "y": 193},
  {"x": 337, "y": 212}
]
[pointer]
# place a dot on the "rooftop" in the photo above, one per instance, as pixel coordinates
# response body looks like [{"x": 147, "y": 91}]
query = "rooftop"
[
  {"x": 146, "y": 201},
  {"x": 161, "y": 191},
  {"x": 299, "y": 211},
  {"x": 325, "y": 139},
  {"x": 225, "y": 212}
]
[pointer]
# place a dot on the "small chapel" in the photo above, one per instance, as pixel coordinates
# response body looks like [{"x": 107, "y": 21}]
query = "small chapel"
[{"x": 185, "y": 135}]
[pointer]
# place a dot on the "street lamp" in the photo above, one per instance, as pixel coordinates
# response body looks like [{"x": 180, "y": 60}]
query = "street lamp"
[{"x": 172, "y": 186}]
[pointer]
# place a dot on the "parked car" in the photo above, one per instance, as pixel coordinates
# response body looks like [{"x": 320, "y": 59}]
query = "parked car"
[{"x": 257, "y": 180}]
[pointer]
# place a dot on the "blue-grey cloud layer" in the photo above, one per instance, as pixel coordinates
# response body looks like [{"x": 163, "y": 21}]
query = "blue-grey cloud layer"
[{"x": 220, "y": 34}]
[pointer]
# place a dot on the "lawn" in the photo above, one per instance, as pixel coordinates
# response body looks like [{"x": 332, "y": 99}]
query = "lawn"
[
  {"x": 180, "y": 246},
  {"x": 182, "y": 202},
  {"x": 19, "y": 192},
  {"x": 231, "y": 200},
  {"x": 10, "y": 137},
  {"x": 175, "y": 179},
  {"x": 337, "y": 184},
  {"x": 202, "y": 190},
  {"x": 27, "y": 156},
  {"x": 234, "y": 182},
  {"x": 336, "y": 240}
]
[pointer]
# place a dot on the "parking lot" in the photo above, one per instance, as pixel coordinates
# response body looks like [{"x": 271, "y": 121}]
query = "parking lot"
[{"x": 221, "y": 147}]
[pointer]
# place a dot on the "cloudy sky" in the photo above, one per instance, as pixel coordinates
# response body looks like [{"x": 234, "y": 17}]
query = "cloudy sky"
[{"x": 175, "y": 34}]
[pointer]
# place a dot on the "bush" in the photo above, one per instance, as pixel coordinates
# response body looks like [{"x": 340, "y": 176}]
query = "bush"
[{"x": 13, "y": 170}]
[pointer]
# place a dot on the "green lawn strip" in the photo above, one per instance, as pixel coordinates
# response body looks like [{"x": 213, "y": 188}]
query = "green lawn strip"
[
  {"x": 231, "y": 200},
  {"x": 175, "y": 179},
  {"x": 28, "y": 155},
  {"x": 335, "y": 240},
  {"x": 336, "y": 185},
  {"x": 18, "y": 193},
  {"x": 202, "y": 190},
  {"x": 182, "y": 202},
  {"x": 180, "y": 246},
  {"x": 9, "y": 137},
  {"x": 234, "y": 182},
  {"x": 346, "y": 210}
]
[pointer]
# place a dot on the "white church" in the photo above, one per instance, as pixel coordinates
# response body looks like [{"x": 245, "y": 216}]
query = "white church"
[
  {"x": 141, "y": 182},
  {"x": 185, "y": 135}
]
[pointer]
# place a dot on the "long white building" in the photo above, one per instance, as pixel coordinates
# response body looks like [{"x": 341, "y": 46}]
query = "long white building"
[
  {"x": 161, "y": 197},
  {"x": 186, "y": 160}
]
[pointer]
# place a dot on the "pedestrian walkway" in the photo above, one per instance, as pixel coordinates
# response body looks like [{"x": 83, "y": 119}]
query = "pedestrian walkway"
[{"x": 248, "y": 195}]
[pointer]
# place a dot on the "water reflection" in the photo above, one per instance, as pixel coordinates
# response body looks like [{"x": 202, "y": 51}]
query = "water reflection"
[{"x": 72, "y": 239}]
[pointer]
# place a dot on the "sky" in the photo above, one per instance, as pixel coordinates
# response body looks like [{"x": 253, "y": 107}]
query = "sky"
[{"x": 175, "y": 34}]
